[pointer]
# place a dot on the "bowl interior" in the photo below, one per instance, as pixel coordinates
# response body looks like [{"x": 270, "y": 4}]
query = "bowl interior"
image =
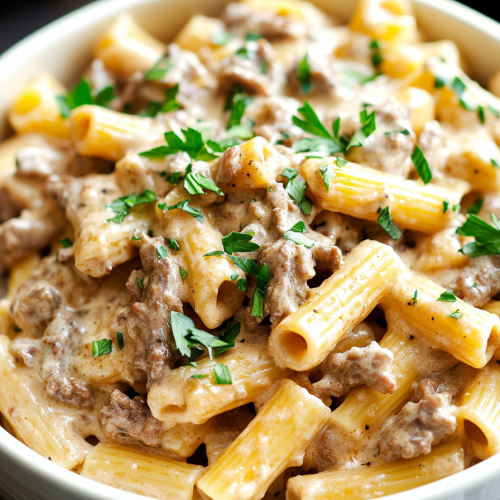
[{"x": 65, "y": 47}]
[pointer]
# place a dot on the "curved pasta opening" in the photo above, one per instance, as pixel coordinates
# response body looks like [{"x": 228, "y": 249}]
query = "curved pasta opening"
[
  {"x": 228, "y": 294},
  {"x": 27, "y": 102},
  {"x": 81, "y": 126},
  {"x": 293, "y": 344},
  {"x": 92, "y": 440},
  {"x": 493, "y": 341},
  {"x": 474, "y": 433}
]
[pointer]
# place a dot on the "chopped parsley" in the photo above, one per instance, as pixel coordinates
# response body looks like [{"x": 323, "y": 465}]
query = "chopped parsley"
[
  {"x": 196, "y": 183},
  {"x": 368, "y": 126},
  {"x": 241, "y": 284},
  {"x": 193, "y": 145},
  {"x": 236, "y": 103},
  {"x": 323, "y": 144},
  {"x": 289, "y": 173},
  {"x": 297, "y": 234},
  {"x": 327, "y": 174},
  {"x": 495, "y": 163},
  {"x": 183, "y": 273},
  {"x": 187, "y": 336},
  {"x": 303, "y": 75},
  {"x": 136, "y": 238},
  {"x": 185, "y": 207},
  {"x": 447, "y": 296},
  {"x": 421, "y": 165},
  {"x": 229, "y": 336},
  {"x": 222, "y": 375},
  {"x": 66, "y": 243},
  {"x": 376, "y": 56},
  {"x": 162, "y": 206},
  {"x": 159, "y": 69},
  {"x": 350, "y": 76},
  {"x": 455, "y": 314},
  {"x": 173, "y": 178},
  {"x": 119, "y": 340},
  {"x": 121, "y": 206},
  {"x": 475, "y": 208},
  {"x": 171, "y": 103},
  {"x": 487, "y": 237},
  {"x": 161, "y": 252},
  {"x": 101, "y": 347},
  {"x": 173, "y": 244},
  {"x": 388, "y": 225},
  {"x": 239, "y": 242},
  {"x": 234, "y": 277},
  {"x": 296, "y": 189},
  {"x": 140, "y": 282},
  {"x": 404, "y": 132},
  {"x": 415, "y": 297},
  {"x": 82, "y": 95}
]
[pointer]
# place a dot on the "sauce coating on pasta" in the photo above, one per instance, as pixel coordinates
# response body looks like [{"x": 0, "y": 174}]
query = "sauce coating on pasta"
[{"x": 259, "y": 261}]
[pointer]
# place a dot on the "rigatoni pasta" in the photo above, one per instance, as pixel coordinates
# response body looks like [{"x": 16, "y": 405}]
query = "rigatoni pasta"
[{"x": 258, "y": 262}]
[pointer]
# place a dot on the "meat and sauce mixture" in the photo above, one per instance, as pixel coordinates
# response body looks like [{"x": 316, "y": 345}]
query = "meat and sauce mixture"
[{"x": 186, "y": 231}]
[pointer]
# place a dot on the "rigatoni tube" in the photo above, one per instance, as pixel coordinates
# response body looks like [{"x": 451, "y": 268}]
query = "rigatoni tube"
[
  {"x": 361, "y": 192},
  {"x": 275, "y": 440},
  {"x": 107, "y": 134},
  {"x": 479, "y": 411},
  {"x": 471, "y": 335},
  {"x": 35, "y": 109},
  {"x": 333, "y": 309},
  {"x": 365, "y": 410},
  {"x": 182, "y": 399},
  {"x": 139, "y": 472},
  {"x": 365, "y": 482}
]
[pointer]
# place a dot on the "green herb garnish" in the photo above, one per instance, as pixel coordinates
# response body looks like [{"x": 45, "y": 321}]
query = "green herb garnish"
[
  {"x": 487, "y": 237},
  {"x": 455, "y": 314},
  {"x": 239, "y": 242},
  {"x": 475, "y": 208},
  {"x": 66, "y": 243},
  {"x": 368, "y": 126},
  {"x": 101, "y": 347},
  {"x": 159, "y": 69},
  {"x": 297, "y": 235},
  {"x": 304, "y": 75},
  {"x": 222, "y": 375},
  {"x": 421, "y": 165},
  {"x": 161, "y": 252},
  {"x": 119, "y": 340},
  {"x": 388, "y": 225},
  {"x": 183, "y": 273},
  {"x": 185, "y": 207},
  {"x": 447, "y": 296}
]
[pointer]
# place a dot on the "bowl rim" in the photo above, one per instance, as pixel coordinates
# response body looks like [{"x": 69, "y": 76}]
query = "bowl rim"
[{"x": 24, "y": 457}]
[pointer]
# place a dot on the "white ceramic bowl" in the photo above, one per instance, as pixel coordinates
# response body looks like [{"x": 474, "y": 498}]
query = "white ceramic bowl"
[{"x": 64, "y": 48}]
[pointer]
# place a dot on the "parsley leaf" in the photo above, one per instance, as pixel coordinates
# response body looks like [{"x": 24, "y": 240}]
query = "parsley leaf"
[
  {"x": 404, "y": 132},
  {"x": 239, "y": 242},
  {"x": 447, "y": 296},
  {"x": 234, "y": 276},
  {"x": 171, "y": 103},
  {"x": 421, "y": 165},
  {"x": 388, "y": 225},
  {"x": 119, "y": 340},
  {"x": 296, "y": 189},
  {"x": 173, "y": 244},
  {"x": 185, "y": 207},
  {"x": 324, "y": 143},
  {"x": 161, "y": 252},
  {"x": 297, "y": 235},
  {"x": 183, "y": 273},
  {"x": 101, "y": 347},
  {"x": 304, "y": 75},
  {"x": 193, "y": 145},
  {"x": 82, "y": 95},
  {"x": 242, "y": 285},
  {"x": 487, "y": 237},
  {"x": 195, "y": 183},
  {"x": 415, "y": 297},
  {"x": 262, "y": 278},
  {"x": 475, "y": 208},
  {"x": 122, "y": 205},
  {"x": 181, "y": 325},
  {"x": 140, "y": 282},
  {"x": 159, "y": 69},
  {"x": 289, "y": 173},
  {"x": 222, "y": 375},
  {"x": 455, "y": 314},
  {"x": 327, "y": 174},
  {"x": 229, "y": 336},
  {"x": 66, "y": 243},
  {"x": 368, "y": 126},
  {"x": 495, "y": 163}
]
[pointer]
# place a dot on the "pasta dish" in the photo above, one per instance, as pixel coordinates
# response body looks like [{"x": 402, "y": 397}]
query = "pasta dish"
[{"x": 260, "y": 261}]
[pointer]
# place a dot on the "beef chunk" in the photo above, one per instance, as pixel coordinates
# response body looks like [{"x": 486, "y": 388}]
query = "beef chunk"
[
  {"x": 31, "y": 232},
  {"x": 128, "y": 421},
  {"x": 51, "y": 334},
  {"x": 419, "y": 426},
  {"x": 290, "y": 266},
  {"x": 253, "y": 70},
  {"x": 322, "y": 76},
  {"x": 478, "y": 283},
  {"x": 371, "y": 365},
  {"x": 148, "y": 318}
]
